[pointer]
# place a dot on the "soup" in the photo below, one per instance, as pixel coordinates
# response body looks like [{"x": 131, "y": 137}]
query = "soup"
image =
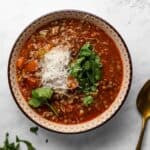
[{"x": 69, "y": 71}]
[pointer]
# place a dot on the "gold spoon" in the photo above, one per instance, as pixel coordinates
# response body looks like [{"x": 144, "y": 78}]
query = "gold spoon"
[{"x": 143, "y": 105}]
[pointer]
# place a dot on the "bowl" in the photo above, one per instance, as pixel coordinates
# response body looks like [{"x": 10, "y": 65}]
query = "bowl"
[{"x": 99, "y": 120}]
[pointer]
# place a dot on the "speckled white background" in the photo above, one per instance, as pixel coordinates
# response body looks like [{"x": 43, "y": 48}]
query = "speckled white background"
[{"x": 132, "y": 19}]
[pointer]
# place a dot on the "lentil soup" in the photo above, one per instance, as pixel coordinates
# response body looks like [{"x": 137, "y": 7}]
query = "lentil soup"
[{"x": 76, "y": 44}]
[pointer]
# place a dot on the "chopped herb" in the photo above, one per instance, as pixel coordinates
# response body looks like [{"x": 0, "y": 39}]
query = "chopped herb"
[
  {"x": 8, "y": 145},
  {"x": 42, "y": 93},
  {"x": 34, "y": 130},
  {"x": 88, "y": 100},
  {"x": 15, "y": 145},
  {"x": 52, "y": 108},
  {"x": 41, "y": 96},
  {"x": 34, "y": 102},
  {"x": 28, "y": 144},
  {"x": 87, "y": 69},
  {"x": 46, "y": 141}
]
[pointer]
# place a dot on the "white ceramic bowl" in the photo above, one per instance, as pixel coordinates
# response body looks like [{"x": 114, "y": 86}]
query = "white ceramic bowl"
[{"x": 102, "y": 118}]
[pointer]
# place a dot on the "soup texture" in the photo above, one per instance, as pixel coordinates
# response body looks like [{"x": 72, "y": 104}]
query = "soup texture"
[{"x": 69, "y": 71}]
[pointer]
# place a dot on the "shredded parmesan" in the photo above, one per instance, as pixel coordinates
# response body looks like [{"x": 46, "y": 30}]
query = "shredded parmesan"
[{"x": 54, "y": 66}]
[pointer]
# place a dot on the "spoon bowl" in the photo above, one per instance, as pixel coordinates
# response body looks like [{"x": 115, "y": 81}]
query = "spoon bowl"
[
  {"x": 143, "y": 106},
  {"x": 143, "y": 100}
]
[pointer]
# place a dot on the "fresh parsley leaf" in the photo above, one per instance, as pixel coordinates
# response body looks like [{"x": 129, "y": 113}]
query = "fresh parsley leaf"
[
  {"x": 75, "y": 69},
  {"x": 35, "y": 102},
  {"x": 86, "y": 46},
  {"x": 42, "y": 93},
  {"x": 34, "y": 130},
  {"x": 88, "y": 100},
  {"x": 28, "y": 144},
  {"x": 87, "y": 65},
  {"x": 15, "y": 145},
  {"x": 85, "y": 52},
  {"x": 87, "y": 69},
  {"x": 46, "y": 141},
  {"x": 80, "y": 60},
  {"x": 8, "y": 145},
  {"x": 40, "y": 96},
  {"x": 97, "y": 60}
]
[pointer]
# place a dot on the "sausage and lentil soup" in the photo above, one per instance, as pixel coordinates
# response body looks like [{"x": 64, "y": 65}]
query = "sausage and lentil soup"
[{"x": 69, "y": 71}]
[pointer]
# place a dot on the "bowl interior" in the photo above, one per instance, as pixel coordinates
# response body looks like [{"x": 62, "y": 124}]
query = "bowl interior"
[{"x": 89, "y": 124}]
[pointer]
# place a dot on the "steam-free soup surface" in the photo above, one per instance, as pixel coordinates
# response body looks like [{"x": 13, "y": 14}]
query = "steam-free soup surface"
[{"x": 69, "y": 35}]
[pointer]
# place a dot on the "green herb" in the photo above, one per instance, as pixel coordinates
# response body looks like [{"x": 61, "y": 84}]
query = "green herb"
[
  {"x": 52, "y": 108},
  {"x": 15, "y": 145},
  {"x": 41, "y": 96},
  {"x": 28, "y": 144},
  {"x": 34, "y": 102},
  {"x": 46, "y": 141},
  {"x": 42, "y": 93},
  {"x": 88, "y": 100},
  {"x": 87, "y": 69},
  {"x": 8, "y": 145},
  {"x": 34, "y": 130}
]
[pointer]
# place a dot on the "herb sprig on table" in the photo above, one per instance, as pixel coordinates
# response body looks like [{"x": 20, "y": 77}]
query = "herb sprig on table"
[
  {"x": 34, "y": 130},
  {"x": 16, "y": 145},
  {"x": 87, "y": 69}
]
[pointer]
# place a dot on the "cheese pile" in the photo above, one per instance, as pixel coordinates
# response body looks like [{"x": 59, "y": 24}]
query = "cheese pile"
[{"x": 54, "y": 68}]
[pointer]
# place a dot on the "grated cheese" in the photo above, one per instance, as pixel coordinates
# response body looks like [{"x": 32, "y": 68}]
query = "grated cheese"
[{"x": 54, "y": 66}]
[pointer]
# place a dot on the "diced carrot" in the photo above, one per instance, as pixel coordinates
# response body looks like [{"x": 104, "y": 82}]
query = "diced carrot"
[
  {"x": 24, "y": 53},
  {"x": 30, "y": 46},
  {"x": 69, "y": 108},
  {"x": 32, "y": 82},
  {"x": 20, "y": 62},
  {"x": 72, "y": 83},
  {"x": 26, "y": 92},
  {"x": 31, "y": 66},
  {"x": 47, "y": 47}
]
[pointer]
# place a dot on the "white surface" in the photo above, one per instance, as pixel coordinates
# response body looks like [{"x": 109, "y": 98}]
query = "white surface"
[{"x": 132, "y": 19}]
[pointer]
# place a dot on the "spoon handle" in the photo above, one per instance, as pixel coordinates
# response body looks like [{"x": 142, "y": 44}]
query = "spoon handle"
[{"x": 144, "y": 123}]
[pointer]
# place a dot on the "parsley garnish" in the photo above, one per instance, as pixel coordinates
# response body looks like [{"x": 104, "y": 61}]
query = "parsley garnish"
[
  {"x": 87, "y": 69},
  {"x": 88, "y": 100},
  {"x": 15, "y": 145},
  {"x": 34, "y": 130},
  {"x": 41, "y": 96},
  {"x": 28, "y": 144},
  {"x": 46, "y": 141}
]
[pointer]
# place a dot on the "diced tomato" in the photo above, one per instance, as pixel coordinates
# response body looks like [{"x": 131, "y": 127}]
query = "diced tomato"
[
  {"x": 32, "y": 82},
  {"x": 47, "y": 47},
  {"x": 20, "y": 62},
  {"x": 31, "y": 66},
  {"x": 69, "y": 108},
  {"x": 24, "y": 53},
  {"x": 26, "y": 92},
  {"x": 72, "y": 83}
]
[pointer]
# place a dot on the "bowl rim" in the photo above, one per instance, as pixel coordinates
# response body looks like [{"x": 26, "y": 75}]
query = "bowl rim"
[{"x": 74, "y": 11}]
